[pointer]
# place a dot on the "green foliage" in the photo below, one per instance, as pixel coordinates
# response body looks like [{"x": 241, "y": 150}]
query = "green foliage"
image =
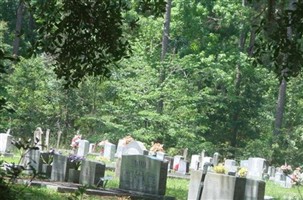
[{"x": 10, "y": 172}]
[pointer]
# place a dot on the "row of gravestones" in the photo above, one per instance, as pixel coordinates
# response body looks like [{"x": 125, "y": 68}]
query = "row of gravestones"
[
  {"x": 135, "y": 172},
  {"x": 63, "y": 169},
  {"x": 138, "y": 173}
]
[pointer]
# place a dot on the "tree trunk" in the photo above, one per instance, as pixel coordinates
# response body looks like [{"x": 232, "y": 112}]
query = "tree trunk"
[
  {"x": 282, "y": 89},
  {"x": 236, "y": 111},
  {"x": 165, "y": 38},
  {"x": 20, "y": 12},
  {"x": 280, "y": 107}
]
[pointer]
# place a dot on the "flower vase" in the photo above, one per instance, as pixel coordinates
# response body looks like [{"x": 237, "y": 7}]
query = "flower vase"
[
  {"x": 73, "y": 175},
  {"x": 47, "y": 170}
]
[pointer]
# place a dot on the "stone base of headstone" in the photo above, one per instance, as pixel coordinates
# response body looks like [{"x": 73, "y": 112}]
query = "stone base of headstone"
[
  {"x": 194, "y": 184},
  {"x": 220, "y": 186},
  {"x": 145, "y": 174},
  {"x": 46, "y": 170},
  {"x": 91, "y": 172},
  {"x": 118, "y": 167},
  {"x": 73, "y": 176}
]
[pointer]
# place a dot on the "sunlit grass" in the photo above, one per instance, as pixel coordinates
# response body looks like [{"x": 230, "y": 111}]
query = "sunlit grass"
[
  {"x": 280, "y": 193},
  {"x": 177, "y": 187}
]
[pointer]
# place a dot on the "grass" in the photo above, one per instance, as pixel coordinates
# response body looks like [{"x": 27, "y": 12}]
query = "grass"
[{"x": 280, "y": 193}]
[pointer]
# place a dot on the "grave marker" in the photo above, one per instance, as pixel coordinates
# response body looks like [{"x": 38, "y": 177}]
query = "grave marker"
[
  {"x": 91, "y": 172},
  {"x": 5, "y": 142},
  {"x": 145, "y": 174},
  {"x": 83, "y": 148}
]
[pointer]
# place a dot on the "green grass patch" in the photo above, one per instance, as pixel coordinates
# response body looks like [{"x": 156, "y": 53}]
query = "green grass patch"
[{"x": 280, "y": 193}]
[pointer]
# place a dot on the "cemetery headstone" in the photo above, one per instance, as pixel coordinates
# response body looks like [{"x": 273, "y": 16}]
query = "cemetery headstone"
[
  {"x": 230, "y": 165},
  {"x": 109, "y": 151},
  {"x": 91, "y": 148},
  {"x": 177, "y": 159},
  {"x": 256, "y": 168},
  {"x": 194, "y": 162},
  {"x": 46, "y": 143},
  {"x": 83, "y": 148},
  {"x": 221, "y": 186},
  {"x": 215, "y": 160},
  {"x": 38, "y": 135},
  {"x": 134, "y": 148},
  {"x": 5, "y": 142},
  {"x": 194, "y": 183},
  {"x": 160, "y": 155},
  {"x": 206, "y": 160},
  {"x": 145, "y": 174},
  {"x": 201, "y": 163},
  {"x": 61, "y": 166},
  {"x": 91, "y": 172},
  {"x": 183, "y": 166}
]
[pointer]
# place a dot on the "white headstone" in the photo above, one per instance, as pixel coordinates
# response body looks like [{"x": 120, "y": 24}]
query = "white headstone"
[
  {"x": 134, "y": 148},
  {"x": 176, "y": 162},
  {"x": 194, "y": 162},
  {"x": 109, "y": 151},
  {"x": 91, "y": 148},
  {"x": 183, "y": 166},
  {"x": 215, "y": 159},
  {"x": 38, "y": 135},
  {"x": 5, "y": 142},
  {"x": 160, "y": 155},
  {"x": 230, "y": 165},
  {"x": 83, "y": 148},
  {"x": 256, "y": 167},
  {"x": 120, "y": 148},
  {"x": 47, "y": 139}
]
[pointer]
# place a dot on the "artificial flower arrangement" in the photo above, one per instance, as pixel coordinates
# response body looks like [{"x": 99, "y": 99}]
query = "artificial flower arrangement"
[
  {"x": 220, "y": 169},
  {"x": 49, "y": 159},
  {"x": 76, "y": 159},
  {"x": 242, "y": 172}
]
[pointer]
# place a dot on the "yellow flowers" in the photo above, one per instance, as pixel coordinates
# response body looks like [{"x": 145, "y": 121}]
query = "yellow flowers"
[
  {"x": 242, "y": 172},
  {"x": 220, "y": 169}
]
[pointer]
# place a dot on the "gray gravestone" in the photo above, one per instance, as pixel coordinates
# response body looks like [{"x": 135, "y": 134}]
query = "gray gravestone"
[
  {"x": 5, "y": 142},
  {"x": 61, "y": 166},
  {"x": 221, "y": 186},
  {"x": 83, "y": 148},
  {"x": 215, "y": 160},
  {"x": 109, "y": 151},
  {"x": 91, "y": 172},
  {"x": 145, "y": 174}
]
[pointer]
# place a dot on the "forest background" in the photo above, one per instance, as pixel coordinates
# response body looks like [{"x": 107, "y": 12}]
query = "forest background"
[{"x": 200, "y": 75}]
